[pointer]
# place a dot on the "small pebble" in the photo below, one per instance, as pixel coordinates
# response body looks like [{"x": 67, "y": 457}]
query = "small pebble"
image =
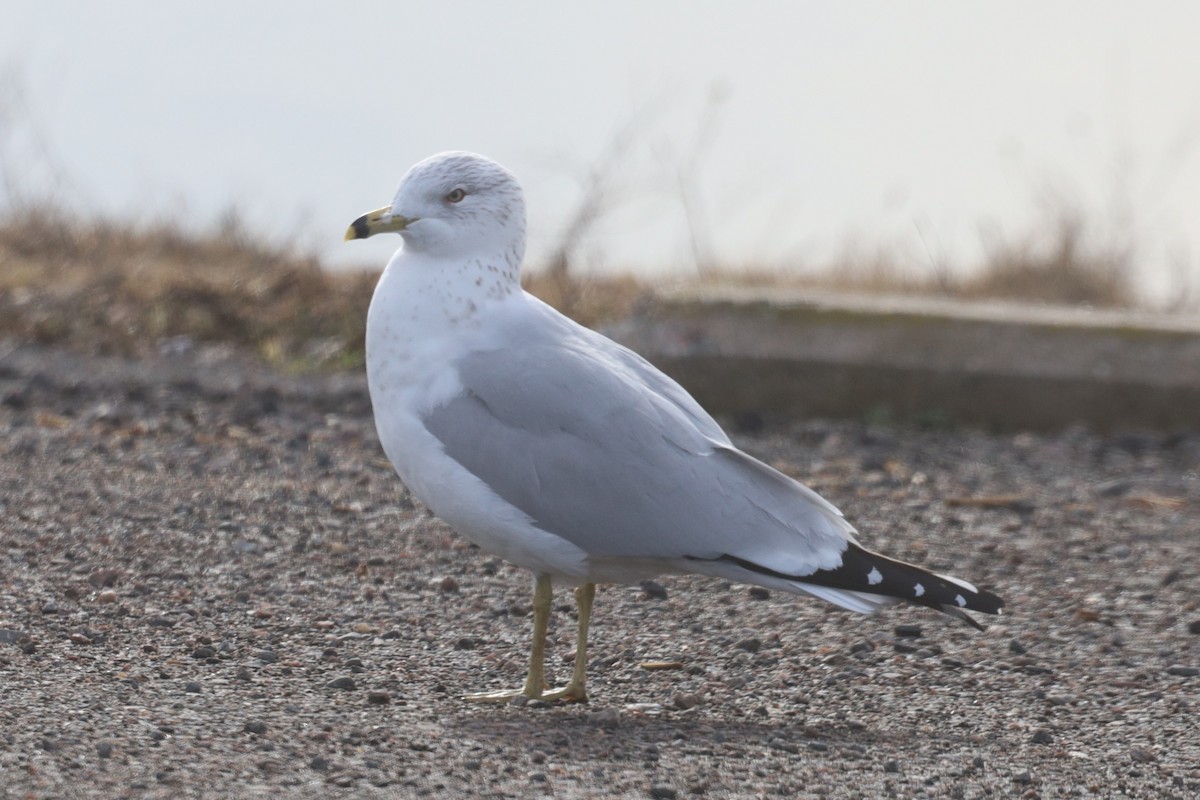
[
  {"x": 344, "y": 682},
  {"x": 751, "y": 645},
  {"x": 378, "y": 698},
  {"x": 1042, "y": 736},
  {"x": 1182, "y": 671},
  {"x": 1172, "y": 576},
  {"x": 107, "y": 596},
  {"x": 257, "y": 727},
  {"x": 1194, "y": 627},
  {"x": 1142, "y": 755},
  {"x": 104, "y": 578},
  {"x": 319, "y": 763},
  {"x": 891, "y": 766},
  {"x": 1016, "y": 648},
  {"x": 191, "y": 687},
  {"x": 653, "y": 590},
  {"x": 104, "y": 749},
  {"x": 663, "y": 793},
  {"x": 447, "y": 584},
  {"x": 908, "y": 631},
  {"x": 685, "y": 700},
  {"x": 759, "y": 593},
  {"x": 607, "y": 718},
  {"x": 11, "y": 636}
]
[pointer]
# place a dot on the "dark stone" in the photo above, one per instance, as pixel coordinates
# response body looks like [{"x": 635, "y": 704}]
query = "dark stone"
[{"x": 653, "y": 590}]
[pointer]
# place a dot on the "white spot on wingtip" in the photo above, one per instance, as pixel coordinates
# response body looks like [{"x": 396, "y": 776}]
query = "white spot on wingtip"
[
  {"x": 958, "y": 598},
  {"x": 919, "y": 590},
  {"x": 874, "y": 576}
]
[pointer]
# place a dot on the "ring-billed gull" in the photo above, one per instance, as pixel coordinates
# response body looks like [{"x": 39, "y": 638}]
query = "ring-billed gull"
[{"x": 565, "y": 453}]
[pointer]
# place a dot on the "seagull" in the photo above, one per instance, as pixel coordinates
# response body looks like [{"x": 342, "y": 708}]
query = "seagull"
[{"x": 563, "y": 452}]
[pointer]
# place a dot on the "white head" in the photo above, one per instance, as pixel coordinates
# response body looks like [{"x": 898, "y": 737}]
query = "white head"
[{"x": 454, "y": 205}]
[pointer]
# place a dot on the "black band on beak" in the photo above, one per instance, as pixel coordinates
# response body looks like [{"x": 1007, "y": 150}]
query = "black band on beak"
[{"x": 360, "y": 227}]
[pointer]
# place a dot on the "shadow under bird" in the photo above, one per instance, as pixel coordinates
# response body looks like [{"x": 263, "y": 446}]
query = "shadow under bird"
[{"x": 563, "y": 452}]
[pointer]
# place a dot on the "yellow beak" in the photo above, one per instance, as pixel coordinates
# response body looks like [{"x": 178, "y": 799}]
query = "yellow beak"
[{"x": 381, "y": 220}]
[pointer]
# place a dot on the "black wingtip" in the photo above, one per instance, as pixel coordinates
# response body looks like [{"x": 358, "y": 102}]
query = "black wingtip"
[
  {"x": 958, "y": 613},
  {"x": 871, "y": 573}
]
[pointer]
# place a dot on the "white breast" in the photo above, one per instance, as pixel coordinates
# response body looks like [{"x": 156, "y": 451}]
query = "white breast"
[{"x": 413, "y": 339}]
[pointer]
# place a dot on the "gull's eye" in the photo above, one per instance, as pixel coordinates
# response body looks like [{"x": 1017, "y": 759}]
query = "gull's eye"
[{"x": 456, "y": 196}]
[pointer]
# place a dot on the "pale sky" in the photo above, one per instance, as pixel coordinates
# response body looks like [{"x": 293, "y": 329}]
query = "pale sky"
[{"x": 919, "y": 128}]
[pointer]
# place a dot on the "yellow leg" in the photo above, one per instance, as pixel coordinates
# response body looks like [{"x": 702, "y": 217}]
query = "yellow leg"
[
  {"x": 574, "y": 690},
  {"x": 535, "y": 680}
]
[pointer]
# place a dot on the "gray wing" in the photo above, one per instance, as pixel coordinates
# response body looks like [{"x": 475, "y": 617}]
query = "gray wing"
[{"x": 600, "y": 448}]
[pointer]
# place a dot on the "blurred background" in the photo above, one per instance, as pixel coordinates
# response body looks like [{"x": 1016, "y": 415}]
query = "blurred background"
[{"x": 1048, "y": 152}]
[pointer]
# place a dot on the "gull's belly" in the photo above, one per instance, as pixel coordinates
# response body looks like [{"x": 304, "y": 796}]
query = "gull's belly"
[{"x": 466, "y": 503}]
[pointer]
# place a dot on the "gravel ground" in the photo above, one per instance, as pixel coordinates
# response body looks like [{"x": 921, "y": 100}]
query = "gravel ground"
[{"x": 214, "y": 585}]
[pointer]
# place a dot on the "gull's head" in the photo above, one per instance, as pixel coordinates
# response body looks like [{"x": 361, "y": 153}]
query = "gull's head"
[{"x": 453, "y": 204}]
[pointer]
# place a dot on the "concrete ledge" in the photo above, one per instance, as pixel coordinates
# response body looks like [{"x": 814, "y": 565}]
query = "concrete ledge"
[{"x": 1002, "y": 366}]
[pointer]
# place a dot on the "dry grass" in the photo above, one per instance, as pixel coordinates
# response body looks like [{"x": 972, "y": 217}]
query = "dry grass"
[
  {"x": 1065, "y": 271},
  {"x": 110, "y": 288},
  {"x": 106, "y": 287},
  {"x": 1058, "y": 267}
]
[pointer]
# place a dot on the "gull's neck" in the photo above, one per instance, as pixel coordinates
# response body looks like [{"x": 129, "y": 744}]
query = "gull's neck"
[{"x": 421, "y": 298}]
